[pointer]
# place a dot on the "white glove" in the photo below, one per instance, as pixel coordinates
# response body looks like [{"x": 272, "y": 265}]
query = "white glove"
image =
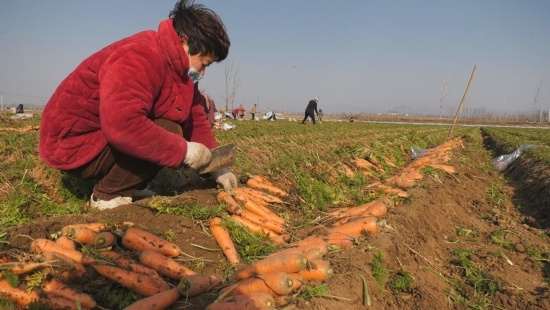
[
  {"x": 197, "y": 155},
  {"x": 225, "y": 178}
]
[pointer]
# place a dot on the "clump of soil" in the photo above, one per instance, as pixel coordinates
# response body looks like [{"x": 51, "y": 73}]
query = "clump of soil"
[{"x": 446, "y": 216}]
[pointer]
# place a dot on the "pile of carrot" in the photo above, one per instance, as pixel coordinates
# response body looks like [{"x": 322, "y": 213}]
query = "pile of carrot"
[{"x": 128, "y": 256}]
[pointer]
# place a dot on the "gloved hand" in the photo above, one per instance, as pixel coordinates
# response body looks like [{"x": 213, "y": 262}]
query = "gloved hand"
[
  {"x": 197, "y": 155},
  {"x": 225, "y": 178}
]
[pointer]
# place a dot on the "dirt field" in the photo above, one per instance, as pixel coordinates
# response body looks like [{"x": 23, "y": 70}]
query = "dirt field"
[{"x": 423, "y": 242}]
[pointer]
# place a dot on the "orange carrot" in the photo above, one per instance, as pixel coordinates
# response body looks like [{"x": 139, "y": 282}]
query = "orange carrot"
[
  {"x": 256, "y": 208},
  {"x": 41, "y": 246},
  {"x": 158, "y": 301},
  {"x": 446, "y": 168},
  {"x": 312, "y": 242},
  {"x": 275, "y": 283},
  {"x": 60, "y": 302},
  {"x": 369, "y": 224},
  {"x": 262, "y": 183},
  {"x": 164, "y": 265},
  {"x": 222, "y": 237},
  {"x": 66, "y": 242},
  {"x": 256, "y": 199},
  {"x": 21, "y": 298},
  {"x": 61, "y": 289},
  {"x": 104, "y": 239},
  {"x": 263, "y": 221},
  {"x": 319, "y": 271},
  {"x": 93, "y": 226},
  {"x": 138, "y": 239},
  {"x": 285, "y": 262},
  {"x": 81, "y": 234},
  {"x": 297, "y": 280},
  {"x": 259, "y": 299},
  {"x": 255, "y": 228},
  {"x": 129, "y": 264},
  {"x": 237, "y": 305},
  {"x": 21, "y": 267},
  {"x": 141, "y": 284},
  {"x": 374, "y": 206},
  {"x": 194, "y": 285},
  {"x": 271, "y": 189},
  {"x": 341, "y": 240},
  {"x": 261, "y": 195},
  {"x": 231, "y": 205}
]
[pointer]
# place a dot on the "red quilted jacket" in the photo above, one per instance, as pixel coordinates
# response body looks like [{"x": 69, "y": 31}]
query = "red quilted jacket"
[{"x": 113, "y": 96}]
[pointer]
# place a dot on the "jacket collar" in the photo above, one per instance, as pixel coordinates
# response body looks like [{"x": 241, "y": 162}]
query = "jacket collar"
[{"x": 172, "y": 48}]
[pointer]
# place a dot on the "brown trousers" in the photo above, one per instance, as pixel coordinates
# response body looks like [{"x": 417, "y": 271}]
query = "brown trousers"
[{"x": 118, "y": 173}]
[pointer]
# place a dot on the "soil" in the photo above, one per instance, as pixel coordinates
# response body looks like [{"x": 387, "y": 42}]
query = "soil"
[{"x": 421, "y": 240}]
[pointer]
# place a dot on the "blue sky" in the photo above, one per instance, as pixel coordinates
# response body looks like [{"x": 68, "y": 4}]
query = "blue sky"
[{"x": 358, "y": 56}]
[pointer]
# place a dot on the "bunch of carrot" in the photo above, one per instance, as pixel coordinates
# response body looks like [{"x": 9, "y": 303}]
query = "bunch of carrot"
[
  {"x": 249, "y": 207},
  {"x": 268, "y": 282},
  {"x": 80, "y": 248}
]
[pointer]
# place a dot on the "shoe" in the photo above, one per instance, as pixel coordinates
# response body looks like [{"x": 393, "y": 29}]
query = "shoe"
[
  {"x": 109, "y": 204},
  {"x": 144, "y": 193}
]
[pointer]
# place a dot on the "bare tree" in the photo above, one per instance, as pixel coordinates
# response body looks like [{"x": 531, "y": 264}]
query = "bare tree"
[
  {"x": 536, "y": 100},
  {"x": 444, "y": 92},
  {"x": 232, "y": 82}
]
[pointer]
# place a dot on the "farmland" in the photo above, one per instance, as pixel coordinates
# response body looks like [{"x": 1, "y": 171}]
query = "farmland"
[{"x": 474, "y": 238}]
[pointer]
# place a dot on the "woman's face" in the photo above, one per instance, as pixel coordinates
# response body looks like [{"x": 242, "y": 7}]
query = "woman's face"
[{"x": 199, "y": 62}]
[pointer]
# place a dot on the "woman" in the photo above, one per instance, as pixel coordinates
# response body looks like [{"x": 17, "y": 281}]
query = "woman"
[{"x": 134, "y": 107}]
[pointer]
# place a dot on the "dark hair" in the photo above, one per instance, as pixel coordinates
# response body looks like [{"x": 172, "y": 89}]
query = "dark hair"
[{"x": 205, "y": 31}]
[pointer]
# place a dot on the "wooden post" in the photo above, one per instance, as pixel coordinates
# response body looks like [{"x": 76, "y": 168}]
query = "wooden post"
[{"x": 462, "y": 101}]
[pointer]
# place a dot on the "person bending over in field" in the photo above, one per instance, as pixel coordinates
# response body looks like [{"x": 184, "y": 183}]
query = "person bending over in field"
[
  {"x": 134, "y": 107},
  {"x": 311, "y": 110}
]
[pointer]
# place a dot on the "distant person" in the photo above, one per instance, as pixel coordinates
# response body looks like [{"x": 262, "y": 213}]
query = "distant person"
[
  {"x": 270, "y": 116},
  {"x": 19, "y": 109},
  {"x": 320, "y": 115},
  {"x": 351, "y": 119},
  {"x": 235, "y": 112},
  {"x": 241, "y": 111},
  {"x": 253, "y": 112},
  {"x": 311, "y": 110},
  {"x": 134, "y": 107},
  {"x": 223, "y": 111}
]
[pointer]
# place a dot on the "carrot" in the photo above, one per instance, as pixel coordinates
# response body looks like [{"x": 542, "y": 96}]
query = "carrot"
[
  {"x": 129, "y": 264},
  {"x": 81, "y": 234},
  {"x": 138, "y": 239},
  {"x": 359, "y": 227},
  {"x": 21, "y": 267},
  {"x": 255, "y": 228},
  {"x": 319, "y": 270},
  {"x": 256, "y": 199},
  {"x": 275, "y": 283},
  {"x": 231, "y": 205},
  {"x": 63, "y": 266},
  {"x": 141, "y": 284},
  {"x": 261, "y": 195},
  {"x": 262, "y": 183},
  {"x": 41, "y": 246},
  {"x": 375, "y": 207},
  {"x": 309, "y": 254},
  {"x": 60, "y": 302},
  {"x": 104, "y": 239},
  {"x": 256, "y": 208},
  {"x": 93, "y": 226},
  {"x": 222, "y": 237},
  {"x": 66, "y": 242},
  {"x": 164, "y": 265},
  {"x": 285, "y": 262},
  {"x": 341, "y": 240},
  {"x": 259, "y": 299},
  {"x": 237, "y": 305},
  {"x": 21, "y": 298},
  {"x": 312, "y": 242},
  {"x": 297, "y": 280},
  {"x": 263, "y": 221},
  {"x": 194, "y": 285},
  {"x": 446, "y": 168},
  {"x": 61, "y": 289},
  {"x": 158, "y": 301}
]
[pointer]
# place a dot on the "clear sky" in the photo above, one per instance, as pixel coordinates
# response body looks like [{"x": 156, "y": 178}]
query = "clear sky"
[{"x": 357, "y": 55}]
